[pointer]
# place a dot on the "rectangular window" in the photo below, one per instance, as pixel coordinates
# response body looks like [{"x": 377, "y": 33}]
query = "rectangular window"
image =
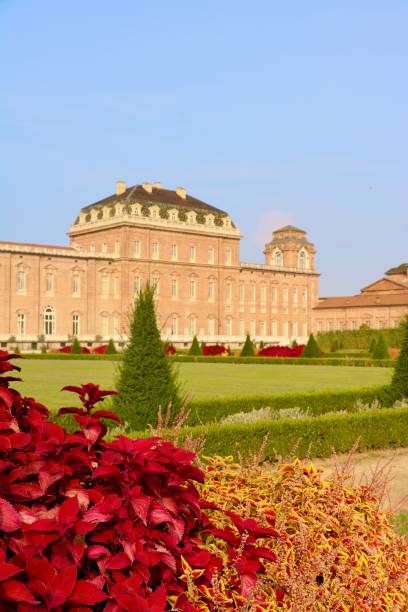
[
  {"x": 104, "y": 248},
  {"x": 174, "y": 252},
  {"x": 117, "y": 248},
  {"x": 75, "y": 325},
  {"x": 274, "y": 296},
  {"x": 76, "y": 285},
  {"x": 396, "y": 323},
  {"x": 104, "y": 285},
  {"x": 262, "y": 328},
  {"x": 341, "y": 325},
  {"x": 155, "y": 250},
  {"x": 156, "y": 285},
  {"x": 228, "y": 257},
  {"x": 92, "y": 248},
  {"x": 353, "y": 324},
  {"x": 193, "y": 287},
  {"x": 105, "y": 326},
  {"x": 192, "y": 253},
  {"x": 274, "y": 328},
  {"x": 381, "y": 324},
  {"x": 137, "y": 283},
  {"x": 295, "y": 297},
  {"x": 286, "y": 329},
  {"x": 20, "y": 281},
  {"x": 211, "y": 255},
  {"x": 263, "y": 295},
  {"x": 49, "y": 282},
  {"x": 241, "y": 328},
  {"x": 294, "y": 329},
  {"x": 137, "y": 249},
  {"x": 228, "y": 327},
  {"x": 20, "y": 324},
  {"x": 211, "y": 327},
  {"x": 174, "y": 325},
  {"x": 241, "y": 294},
  {"x": 320, "y": 326},
  {"x": 116, "y": 287},
  {"x": 252, "y": 294},
  {"x": 192, "y": 324},
  {"x": 304, "y": 297},
  {"x": 211, "y": 290},
  {"x": 304, "y": 329},
  {"x": 330, "y": 326},
  {"x": 285, "y": 296},
  {"x": 252, "y": 329},
  {"x": 228, "y": 292},
  {"x": 173, "y": 287}
]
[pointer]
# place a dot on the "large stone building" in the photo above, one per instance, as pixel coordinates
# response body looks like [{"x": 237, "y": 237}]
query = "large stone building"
[
  {"x": 379, "y": 305},
  {"x": 188, "y": 249}
]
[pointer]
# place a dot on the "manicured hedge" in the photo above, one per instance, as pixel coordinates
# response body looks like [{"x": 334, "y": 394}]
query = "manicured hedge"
[
  {"x": 359, "y": 338},
  {"x": 381, "y": 428},
  {"x": 332, "y": 361},
  {"x": 212, "y": 410}
]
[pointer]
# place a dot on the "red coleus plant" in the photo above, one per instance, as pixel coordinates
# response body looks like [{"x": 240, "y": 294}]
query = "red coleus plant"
[
  {"x": 281, "y": 351},
  {"x": 89, "y": 524},
  {"x": 216, "y": 349}
]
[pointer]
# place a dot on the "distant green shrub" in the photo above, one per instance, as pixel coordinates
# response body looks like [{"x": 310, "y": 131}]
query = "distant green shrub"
[
  {"x": 195, "y": 347},
  {"x": 248, "y": 348},
  {"x": 111, "y": 348},
  {"x": 76, "y": 347},
  {"x": 380, "y": 350},
  {"x": 311, "y": 349}
]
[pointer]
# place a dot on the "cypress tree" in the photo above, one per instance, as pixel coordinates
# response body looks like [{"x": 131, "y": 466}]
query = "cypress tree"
[
  {"x": 380, "y": 350},
  {"x": 312, "y": 348},
  {"x": 111, "y": 349},
  {"x": 76, "y": 347},
  {"x": 146, "y": 378},
  {"x": 248, "y": 348},
  {"x": 195, "y": 347},
  {"x": 372, "y": 344},
  {"x": 399, "y": 383}
]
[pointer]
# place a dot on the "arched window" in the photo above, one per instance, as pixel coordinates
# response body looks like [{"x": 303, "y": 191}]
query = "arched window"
[
  {"x": 277, "y": 258},
  {"x": 49, "y": 321},
  {"x": 303, "y": 260}
]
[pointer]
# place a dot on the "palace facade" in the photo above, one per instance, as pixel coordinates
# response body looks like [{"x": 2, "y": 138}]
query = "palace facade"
[
  {"x": 188, "y": 249},
  {"x": 379, "y": 305}
]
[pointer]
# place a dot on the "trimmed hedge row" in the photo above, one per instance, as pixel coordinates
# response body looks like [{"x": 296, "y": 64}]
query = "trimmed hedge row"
[
  {"x": 317, "y": 437},
  {"x": 331, "y": 361},
  {"x": 212, "y": 410},
  {"x": 359, "y": 338}
]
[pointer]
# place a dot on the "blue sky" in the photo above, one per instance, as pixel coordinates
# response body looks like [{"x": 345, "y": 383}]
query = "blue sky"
[{"x": 275, "y": 111}]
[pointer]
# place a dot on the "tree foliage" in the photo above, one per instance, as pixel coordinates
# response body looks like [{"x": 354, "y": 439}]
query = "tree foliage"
[
  {"x": 312, "y": 348},
  {"x": 111, "y": 348},
  {"x": 195, "y": 347},
  {"x": 146, "y": 378},
  {"x": 399, "y": 383},
  {"x": 248, "y": 348},
  {"x": 380, "y": 350}
]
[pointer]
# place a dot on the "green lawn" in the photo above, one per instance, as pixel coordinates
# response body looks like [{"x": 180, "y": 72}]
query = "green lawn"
[{"x": 43, "y": 379}]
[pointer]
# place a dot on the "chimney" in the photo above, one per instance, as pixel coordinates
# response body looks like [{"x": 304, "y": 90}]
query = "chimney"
[
  {"x": 147, "y": 187},
  {"x": 181, "y": 192},
  {"x": 120, "y": 187},
  {"x": 157, "y": 185}
]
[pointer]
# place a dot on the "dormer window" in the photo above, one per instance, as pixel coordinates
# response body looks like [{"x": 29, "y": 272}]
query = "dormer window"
[
  {"x": 173, "y": 215},
  {"x": 277, "y": 258},
  {"x": 303, "y": 260}
]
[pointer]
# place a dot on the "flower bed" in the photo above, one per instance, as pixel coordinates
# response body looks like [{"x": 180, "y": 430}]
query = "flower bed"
[
  {"x": 68, "y": 350},
  {"x": 281, "y": 351}
]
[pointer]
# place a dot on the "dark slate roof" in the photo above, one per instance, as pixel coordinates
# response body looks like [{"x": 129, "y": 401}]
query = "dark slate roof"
[
  {"x": 401, "y": 269},
  {"x": 158, "y": 196}
]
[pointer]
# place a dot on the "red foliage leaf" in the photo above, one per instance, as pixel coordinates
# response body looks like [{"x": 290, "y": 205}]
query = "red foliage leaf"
[
  {"x": 86, "y": 593},
  {"x": 14, "y": 591},
  {"x": 9, "y": 517},
  {"x": 7, "y": 570}
]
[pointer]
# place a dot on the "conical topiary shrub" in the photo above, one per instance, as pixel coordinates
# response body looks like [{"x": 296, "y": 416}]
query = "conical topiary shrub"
[
  {"x": 373, "y": 342},
  {"x": 76, "y": 347},
  {"x": 312, "y": 348},
  {"x": 248, "y": 348},
  {"x": 111, "y": 348},
  {"x": 146, "y": 378},
  {"x": 399, "y": 383},
  {"x": 380, "y": 350},
  {"x": 195, "y": 347}
]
